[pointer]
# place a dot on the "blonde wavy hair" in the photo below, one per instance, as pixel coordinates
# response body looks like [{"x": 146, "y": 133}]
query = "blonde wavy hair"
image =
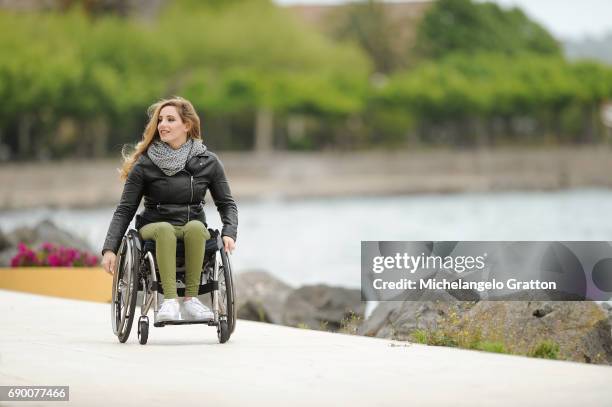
[{"x": 186, "y": 112}]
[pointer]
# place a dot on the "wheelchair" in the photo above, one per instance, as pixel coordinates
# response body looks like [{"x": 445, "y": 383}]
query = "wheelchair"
[{"x": 137, "y": 272}]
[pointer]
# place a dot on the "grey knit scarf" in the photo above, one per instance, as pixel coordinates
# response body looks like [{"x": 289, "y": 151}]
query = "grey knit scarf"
[{"x": 171, "y": 161}]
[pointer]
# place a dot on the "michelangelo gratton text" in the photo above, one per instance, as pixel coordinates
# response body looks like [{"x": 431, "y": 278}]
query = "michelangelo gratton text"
[{"x": 444, "y": 284}]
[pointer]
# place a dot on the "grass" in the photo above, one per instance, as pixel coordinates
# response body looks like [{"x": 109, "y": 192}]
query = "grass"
[
  {"x": 495, "y": 347},
  {"x": 350, "y": 323},
  {"x": 545, "y": 350},
  {"x": 434, "y": 338},
  {"x": 439, "y": 338}
]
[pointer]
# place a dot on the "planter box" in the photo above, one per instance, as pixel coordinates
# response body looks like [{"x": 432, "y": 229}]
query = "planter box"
[{"x": 79, "y": 283}]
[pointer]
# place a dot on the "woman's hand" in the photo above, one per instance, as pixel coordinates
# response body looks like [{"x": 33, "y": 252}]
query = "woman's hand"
[
  {"x": 109, "y": 261},
  {"x": 228, "y": 244}
]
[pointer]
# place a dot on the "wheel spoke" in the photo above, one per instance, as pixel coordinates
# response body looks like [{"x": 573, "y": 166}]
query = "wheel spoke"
[
  {"x": 125, "y": 289},
  {"x": 222, "y": 293}
]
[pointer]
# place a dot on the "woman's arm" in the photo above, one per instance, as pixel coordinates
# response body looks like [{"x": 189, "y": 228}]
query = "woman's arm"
[
  {"x": 128, "y": 205},
  {"x": 222, "y": 195}
]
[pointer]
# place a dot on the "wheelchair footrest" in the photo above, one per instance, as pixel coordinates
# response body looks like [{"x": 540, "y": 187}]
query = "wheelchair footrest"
[{"x": 209, "y": 322}]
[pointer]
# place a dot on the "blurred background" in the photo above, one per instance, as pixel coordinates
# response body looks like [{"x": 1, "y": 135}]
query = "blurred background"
[{"x": 336, "y": 121}]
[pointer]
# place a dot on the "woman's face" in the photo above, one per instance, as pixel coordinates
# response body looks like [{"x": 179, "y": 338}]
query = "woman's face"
[{"x": 171, "y": 128}]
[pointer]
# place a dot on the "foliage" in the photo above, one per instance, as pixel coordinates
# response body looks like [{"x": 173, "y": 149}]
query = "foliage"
[
  {"x": 50, "y": 255},
  {"x": 545, "y": 350},
  {"x": 230, "y": 58},
  {"x": 419, "y": 336},
  {"x": 367, "y": 24},
  {"x": 452, "y": 331},
  {"x": 494, "y": 347},
  {"x": 350, "y": 323},
  {"x": 455, "y": 339},
  {"x": 78, "y": 80},
  {"x": 464, "y": 26},
  {"x": 433, "y": 338},
  {"x": 462, "y": 89}
]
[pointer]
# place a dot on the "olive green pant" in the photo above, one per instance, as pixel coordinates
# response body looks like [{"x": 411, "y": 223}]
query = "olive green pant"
[{"x": 194, "y": 234}]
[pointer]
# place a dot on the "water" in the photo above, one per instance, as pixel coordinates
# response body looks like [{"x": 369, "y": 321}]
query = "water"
[{"x": 318, "y": 240}]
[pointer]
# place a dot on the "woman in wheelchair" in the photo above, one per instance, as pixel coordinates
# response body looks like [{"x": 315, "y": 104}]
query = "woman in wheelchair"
[{"x": 172, "y": 169}]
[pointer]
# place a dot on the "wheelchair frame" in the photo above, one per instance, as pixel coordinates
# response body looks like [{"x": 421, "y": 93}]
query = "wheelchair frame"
[{"x": 137, "y": 272}]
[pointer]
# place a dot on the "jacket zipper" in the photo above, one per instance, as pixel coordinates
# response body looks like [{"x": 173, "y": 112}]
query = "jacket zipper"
[
  {"x": 190, "y": 199},
  {"x": 190, "y": 184}
]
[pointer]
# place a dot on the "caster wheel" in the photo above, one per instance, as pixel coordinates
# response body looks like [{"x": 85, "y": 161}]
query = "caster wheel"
[
  {"x": 143, "y": 330},
  {"x": 223, "y": 332}
]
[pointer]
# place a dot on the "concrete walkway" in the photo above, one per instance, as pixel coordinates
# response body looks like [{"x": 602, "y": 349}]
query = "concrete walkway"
[{"x": 51, "y": 341}]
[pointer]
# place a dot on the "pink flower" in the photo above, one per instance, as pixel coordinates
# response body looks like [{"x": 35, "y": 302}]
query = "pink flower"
[
  {"x": 25, "y": 258},
  {"x": 54, "y": 260},
  {"x": 47, "y": 246},
  {"x": 53, "y": 256},
  {"x": 15, "y": 261}
]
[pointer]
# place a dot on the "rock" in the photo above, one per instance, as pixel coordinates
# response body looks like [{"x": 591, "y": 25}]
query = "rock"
[
  {"x": 608, "y": 308},
  {"x": 45, "y": 231},
  {"x": 399, "y": 319},
  {"x": 543, "y": 311},
  {"x": 261, "y": 296},
  {"x": 417, "y": 309},
  {"x": 458, "y": 295},
  {"x": 4, "y": 242},
  {"x": 532, "y": 295},
  {"x": 580, "y": 329},
  {"x": 323, "y": 307},
  {"x": 6, "y": 256}
]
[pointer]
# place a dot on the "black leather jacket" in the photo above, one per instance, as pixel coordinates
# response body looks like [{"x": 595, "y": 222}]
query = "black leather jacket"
[{"x": 176, "y": 199}]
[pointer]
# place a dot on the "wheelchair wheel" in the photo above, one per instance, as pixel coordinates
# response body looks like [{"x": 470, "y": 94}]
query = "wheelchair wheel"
[
  {"x": 227, "y": 309},
  {"x": 143, "y": 329},
  {"x": 125, "y": 289},
  {"x": 223, "y": 332}
]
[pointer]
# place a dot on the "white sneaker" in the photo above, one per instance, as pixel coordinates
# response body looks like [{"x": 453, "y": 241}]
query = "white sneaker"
[
  {"x": 169, "y": 310},
  {"x": 194, "y": 309}
]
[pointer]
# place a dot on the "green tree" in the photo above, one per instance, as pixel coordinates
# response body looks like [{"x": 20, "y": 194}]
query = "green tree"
[
  {"x": 463, "y": 26},
  {"x": 367, "y": 24}
]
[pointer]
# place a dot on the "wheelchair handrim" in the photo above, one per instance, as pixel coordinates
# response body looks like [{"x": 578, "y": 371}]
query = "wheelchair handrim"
[{"x": 116, "y": 295}]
